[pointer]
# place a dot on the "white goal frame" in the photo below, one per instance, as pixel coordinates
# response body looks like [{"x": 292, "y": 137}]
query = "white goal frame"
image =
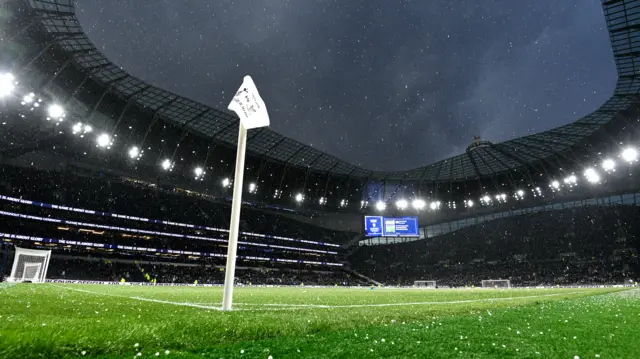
[
  {"x": 26, "y": 259},
  {"x": 491, "y": 283},
  {"x": 424, "y": 284}
]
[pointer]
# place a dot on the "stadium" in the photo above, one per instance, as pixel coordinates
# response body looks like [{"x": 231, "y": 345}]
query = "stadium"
[{"x": 116, "y": 200}]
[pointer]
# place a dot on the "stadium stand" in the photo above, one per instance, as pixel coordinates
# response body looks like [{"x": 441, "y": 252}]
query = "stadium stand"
[{"x": 590, "y": 246}]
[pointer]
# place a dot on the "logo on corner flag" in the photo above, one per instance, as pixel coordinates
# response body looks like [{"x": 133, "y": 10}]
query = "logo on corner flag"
[{"x": 249, "y": 106}]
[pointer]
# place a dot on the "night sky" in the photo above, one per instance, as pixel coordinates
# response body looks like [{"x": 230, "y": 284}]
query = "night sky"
[{"x": 386, "y": 85}]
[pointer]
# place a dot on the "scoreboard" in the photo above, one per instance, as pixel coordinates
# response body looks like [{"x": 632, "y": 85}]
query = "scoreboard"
[{"x": 378, "y": 226}]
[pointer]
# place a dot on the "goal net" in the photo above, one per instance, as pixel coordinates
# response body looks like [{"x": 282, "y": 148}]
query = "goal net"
[
  {"x": 424, "y": 283},
  {"x": 29, "y": 265},
  {"x": 496, "y": 283}
]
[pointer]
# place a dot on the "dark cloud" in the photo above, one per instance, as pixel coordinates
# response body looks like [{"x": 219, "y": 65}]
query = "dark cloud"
[{"x": 383, "y": 84}]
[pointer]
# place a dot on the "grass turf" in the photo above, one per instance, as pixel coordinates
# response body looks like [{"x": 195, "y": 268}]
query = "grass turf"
[{"x": 93, "y": 321}]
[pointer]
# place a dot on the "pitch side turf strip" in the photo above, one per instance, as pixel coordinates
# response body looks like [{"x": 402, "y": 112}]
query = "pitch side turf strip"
[{"x": 275, "y": 306}]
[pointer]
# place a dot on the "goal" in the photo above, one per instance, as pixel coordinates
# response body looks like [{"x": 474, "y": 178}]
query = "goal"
[
  {"x": 496, "y": 283},
  {"x": 29, "y": 265},
  {"x": 424, "y": 283}
]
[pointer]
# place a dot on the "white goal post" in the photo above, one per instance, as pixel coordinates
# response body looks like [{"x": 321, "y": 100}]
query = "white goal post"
[
  {"x": 29, "y": 265},
  {"x": 496, "y": 283},
  {"x": 424, "y": 284}
]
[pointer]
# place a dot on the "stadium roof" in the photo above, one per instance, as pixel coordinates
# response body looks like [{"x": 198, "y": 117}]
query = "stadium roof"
[{"x": 623, "y": 21}]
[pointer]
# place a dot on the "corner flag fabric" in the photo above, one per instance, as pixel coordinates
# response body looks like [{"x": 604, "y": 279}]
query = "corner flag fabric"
[{"x": 249, "y": 106}]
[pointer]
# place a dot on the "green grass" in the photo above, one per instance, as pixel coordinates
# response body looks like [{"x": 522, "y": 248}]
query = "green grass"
[{"x": 47, "y": 321}]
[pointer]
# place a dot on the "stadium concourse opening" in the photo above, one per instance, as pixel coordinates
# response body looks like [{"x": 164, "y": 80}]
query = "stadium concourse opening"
[{"x": 115, "y": 211}]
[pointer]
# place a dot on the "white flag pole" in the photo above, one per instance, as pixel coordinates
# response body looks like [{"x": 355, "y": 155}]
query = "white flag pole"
[
  {"x": 236, "y": 203},
  {"x": 251, "y": 110}
]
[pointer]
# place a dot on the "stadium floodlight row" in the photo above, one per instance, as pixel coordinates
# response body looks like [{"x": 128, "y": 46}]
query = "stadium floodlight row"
[
  {"x": 157, "y": 221},
  {"x": 520, "y": 162},
  {"x": 106, "y": 246}
]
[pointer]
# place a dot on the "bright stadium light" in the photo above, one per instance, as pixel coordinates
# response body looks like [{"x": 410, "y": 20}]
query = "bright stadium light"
[
  {"x": 322, "y": 201},
  {"x": 87, "y": 128},
  {"x": 571, "y": 180},
  {"x": 7, "y": 84},
  {"x": 434, "y": 205},
  {"x": 402, "y": 204},
  {"x": 226, "y": 183},
  {"x": 381, "y": 206},
  {"x": 419, "y": 204},
  {"x": 343, "y": 203},
  {"x": 554, "y": 184},
  {"x": 592, "y": 175},
  {"x": 364, "y": 204},
  {"x": 104, "y": 140},
  {"x": 253, "y": 188},
  {"x": 299, "y": 197},
  {"x": 469, "y": 203},
  {"x": 630, "y": 154},
  {"x": 134, "y": 152},
  {"x": 77, "y": 128},
  {"x": 55, "y": 112},
  {"x": 28, "y": 98},
  {"x": 166, "y": 164},
  {"x": 519, "y": 194},
  {"x": 609, "y": 165},
  {"x": 199, "y": 171},
  {"x": 486, "y": 200}
]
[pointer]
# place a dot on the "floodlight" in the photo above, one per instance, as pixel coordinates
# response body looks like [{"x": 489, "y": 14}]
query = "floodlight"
[
  {"x": 87, "y": 128},
  {"x": 166, "y": 164},
  {"x": 592, "y": 175},
  {"x": 520, "y": 193},
  {"x": 299, "y": 197},
  {"x": 226, "y": 183},
  {"x": 55, "y": 111},
  {"x": 134, "y": 152},
  {"x": 571, "y": 180},
  {"x": 555, "y": 184},
  {"x": 434, "y": 205},
  {"x": 76, "y": 128},
  {"x": 381, "y": 206},
  {"x": 253, "y": 187},
  {"x": 28, "y": 98},
  {"x": 7, "y": 84},
  {"x": 469, "y": 203},
  {"x": 630, "y": 154},
  {"x": 343, "y": 203},
  {"x": 419, "y": 204},
  {"x": 104, "y": 140},
  {"x": 608, "y": 165},
  {"x": 486, "y": 199},
  {"x": 198, "y": 171},
  {"x": 322, "y": 201},
  {"x": 402, "y": 204}
]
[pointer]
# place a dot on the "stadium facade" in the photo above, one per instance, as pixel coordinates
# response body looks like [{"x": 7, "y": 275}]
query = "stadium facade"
[{"x": 46, "y": 49}]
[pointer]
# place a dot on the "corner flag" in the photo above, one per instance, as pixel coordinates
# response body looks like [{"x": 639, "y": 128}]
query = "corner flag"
[
  {"x": 249, "y": 106},
  {"x": 252, "y": 111}
]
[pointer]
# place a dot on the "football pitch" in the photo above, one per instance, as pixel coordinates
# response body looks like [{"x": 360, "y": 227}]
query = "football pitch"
[{"x": 100, "y": 321}]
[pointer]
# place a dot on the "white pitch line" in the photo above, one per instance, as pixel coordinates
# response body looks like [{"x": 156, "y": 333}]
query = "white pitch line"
[
  {"x": 276, "y": 306},
  {"x": 327, "y": 306},
  {"x": 184, "y": 304}
]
